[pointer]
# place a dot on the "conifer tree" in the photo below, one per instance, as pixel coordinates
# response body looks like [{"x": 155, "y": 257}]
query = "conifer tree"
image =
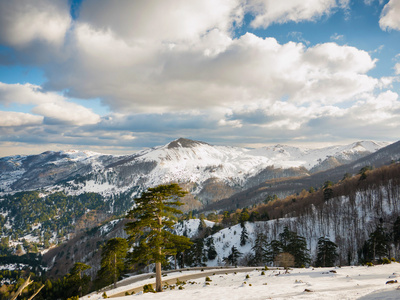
[
  {"x": 78, "y": 282},
  {"x": 112, "y": 260},
  {"x": 243, "y": 236},
  {"x": 274, "y": 248},
  {"x": 290, "y": 242},
  {"x": 196, "y": 256},
  {"x": 326, "y": 253},
  {"x": 378, "y": 243},
  {"x": 211, "y": 253},
  {"x": 232, "y": 258},
  {"x": 150, "y": 231},
  {"x": 259, "y": 250}
]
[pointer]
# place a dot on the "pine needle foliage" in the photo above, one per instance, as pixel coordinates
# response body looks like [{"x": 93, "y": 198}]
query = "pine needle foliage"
[{"x": 150, "y": 232}]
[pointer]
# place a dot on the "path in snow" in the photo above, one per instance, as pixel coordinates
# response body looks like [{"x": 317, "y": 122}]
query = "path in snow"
[{"x": 346, "y": 283}]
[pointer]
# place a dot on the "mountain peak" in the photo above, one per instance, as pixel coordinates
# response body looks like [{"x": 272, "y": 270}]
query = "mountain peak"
[{"x": 184, "y": 143}]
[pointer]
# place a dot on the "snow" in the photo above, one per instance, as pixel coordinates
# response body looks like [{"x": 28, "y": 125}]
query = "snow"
[
  {"x": 195, "y": 163},
  {"x": 109, "y": 226},
  {"x": 12, "y": 267},
  {"x": 190, "y": 227},
  {"x": 312, "y": 283}
]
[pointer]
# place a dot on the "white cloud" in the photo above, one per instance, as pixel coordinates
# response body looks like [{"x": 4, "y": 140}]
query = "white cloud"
[
  {"x": 215, "y": 72},
  {"x": 397, "y": 69},
  {"x": 12, "y": 119},
  {"x": 390, "y": 16},
  {"x": 22, "y": 22},
  {"x": 337, "y": 37},
  {"x": 167, "y": 20},
  {"x": 54, "y": 107},
  {"x": 271, "y": 11},
  {"x": 178, "y": 67},
  {"x": 62, "y": 112}
]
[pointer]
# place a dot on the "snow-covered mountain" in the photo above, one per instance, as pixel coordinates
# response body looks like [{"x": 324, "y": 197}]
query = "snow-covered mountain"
[{"x": 210, "y": 172}]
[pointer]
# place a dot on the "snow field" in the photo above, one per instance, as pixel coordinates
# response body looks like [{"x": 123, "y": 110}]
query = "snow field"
[{"x": 320, "y": 283}]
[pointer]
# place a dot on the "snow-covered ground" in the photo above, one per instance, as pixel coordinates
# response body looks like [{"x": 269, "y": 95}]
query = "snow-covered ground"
[{"x": 360, "y": 282}]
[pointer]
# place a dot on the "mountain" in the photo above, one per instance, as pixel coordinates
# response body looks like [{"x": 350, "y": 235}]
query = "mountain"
[
  {"x": 286, "y": 186},
  {"x": 210, "y": 172}
]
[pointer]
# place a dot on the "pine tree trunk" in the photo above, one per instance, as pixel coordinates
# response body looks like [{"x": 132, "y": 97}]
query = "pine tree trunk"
[
  {"x": 158, "y": 264},
  {"x": 175, "y": 261},
  {"x": 158, "y": 277}
]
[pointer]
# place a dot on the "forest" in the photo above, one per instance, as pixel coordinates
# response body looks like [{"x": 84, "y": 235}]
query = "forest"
[{"x": 350, "y": 222}]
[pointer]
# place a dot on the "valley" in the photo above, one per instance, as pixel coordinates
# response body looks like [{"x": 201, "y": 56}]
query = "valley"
[{"x": 76, "y": 201}]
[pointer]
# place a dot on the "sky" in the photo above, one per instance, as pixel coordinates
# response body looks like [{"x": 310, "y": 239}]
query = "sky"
[{"x": 119, "y": 76}]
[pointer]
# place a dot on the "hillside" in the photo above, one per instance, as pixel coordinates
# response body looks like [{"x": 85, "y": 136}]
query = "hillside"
[
  {"x": 354, "y": 210},
  {"x": 349, "y": 213},
  {"x": 292, "y": 185}
]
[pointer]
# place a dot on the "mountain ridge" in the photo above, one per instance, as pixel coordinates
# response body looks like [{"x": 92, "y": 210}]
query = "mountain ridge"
[{"x": 185, "y": 161}]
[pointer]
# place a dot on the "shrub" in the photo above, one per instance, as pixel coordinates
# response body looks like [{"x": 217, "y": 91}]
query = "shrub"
[
  {"x": 386, "y": 261},
  {"x": 266, "y": 268},
  {"x": 208, "y": 279},
  {"x": 148, "y": 288},
  {"x": 181, "y": 287},
  {"x": 369, "y": 264},
  {"x": 393, "y": 259},
  {"x": 262, "y": 273},
  {"x": 247, "y": 276},
  {"x": 104, "y": 295}
]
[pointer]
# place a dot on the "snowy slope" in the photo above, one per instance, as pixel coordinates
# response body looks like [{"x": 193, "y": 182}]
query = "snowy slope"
[
  {"x": 288, "y": 156},
  {"x": 319, "y": 283},
  {"x": 182, "y": 161},
  {"x": 190, "y": 228}
]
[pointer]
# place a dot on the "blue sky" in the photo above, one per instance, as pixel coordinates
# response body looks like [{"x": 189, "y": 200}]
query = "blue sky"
[{"x": 119, "y": 76}]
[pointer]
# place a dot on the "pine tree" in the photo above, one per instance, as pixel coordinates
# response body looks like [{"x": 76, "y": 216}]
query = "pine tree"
[
  {"x": 274, "y": 248},
  {"x": 260, "y": 254},
  {"x": 196, "y": 256},
  {"x": 211, "y": 253},
  {"x": 326, "y": 253},
  {"x": 180, "y": 244},
  {"x": 378, "y": 243},
  {"x": 77, "y": 281},
  {"x": 243, "y": 236},
  {"x": 112, "y": 260},
  {"x": 232, "y": 258},
  {"x": 148, "y": 232},
  {"x": 290, "y": 242}
]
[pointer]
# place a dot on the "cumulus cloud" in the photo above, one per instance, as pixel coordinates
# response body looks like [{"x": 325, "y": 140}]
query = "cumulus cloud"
[
  {"x": 390, "y": 16},
  {"x": 188, "y": 73},
  {"x": 268, "y": 12},
  {"x": 167, "y": 21},
  {"x": 52, "y": 106},
  {"x": 22, "y": 22},
  {"x": 12, "y": 119},
  {"x": 212, "y": 74}
]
